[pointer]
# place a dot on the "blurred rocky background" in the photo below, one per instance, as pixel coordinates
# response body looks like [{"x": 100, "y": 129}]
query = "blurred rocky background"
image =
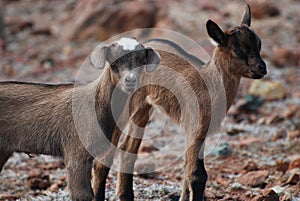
[{"x": 257, "y": 156}]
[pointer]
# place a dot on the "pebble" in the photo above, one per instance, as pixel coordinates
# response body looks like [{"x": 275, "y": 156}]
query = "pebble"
[
  {"x": 254, "y": 178},
  {"x": 295, "y": 163},
  {"x": 293, "y": 179},
  {"x": 269, "y": 90},
  {"x": 282, "y": 165},
  {"x": 267, "y": 195},
  {"x": 222, "y": 150},
  {"x": 250, "y": 166}
]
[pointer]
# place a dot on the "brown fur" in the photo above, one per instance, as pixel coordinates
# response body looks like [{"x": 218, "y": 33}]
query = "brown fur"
[
  {"x": 226, "y": 67},
  {"x": 58, "y": 119}
]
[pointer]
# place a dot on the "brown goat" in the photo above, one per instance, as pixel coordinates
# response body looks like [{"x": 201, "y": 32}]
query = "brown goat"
[
  {"x": 214, "y": 85},
  {"x": 57, "y": 119}
]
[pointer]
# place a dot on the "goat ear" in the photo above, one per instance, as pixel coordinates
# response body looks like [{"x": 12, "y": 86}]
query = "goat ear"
[
  {"x": 153, "y": 60},
  {"x": 215, "y": 32},
  {"x": 98, "y": 57},
  {"x": 246, "y": 19}
]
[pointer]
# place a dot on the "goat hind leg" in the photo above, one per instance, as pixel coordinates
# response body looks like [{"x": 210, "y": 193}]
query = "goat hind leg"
[
  {"x": 79, "y": 179},
  {"x": 195, "y": 173}
]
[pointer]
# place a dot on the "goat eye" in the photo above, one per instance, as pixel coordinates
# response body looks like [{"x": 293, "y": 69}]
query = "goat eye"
[
  {"x": 237, "y": 51},
  {"x": 114, "y": 67}
]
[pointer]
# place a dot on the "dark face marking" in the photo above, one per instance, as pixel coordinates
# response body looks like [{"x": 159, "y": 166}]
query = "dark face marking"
[
  {"x": 246, "y": 46},
  {"x": 127, "y": 65}
]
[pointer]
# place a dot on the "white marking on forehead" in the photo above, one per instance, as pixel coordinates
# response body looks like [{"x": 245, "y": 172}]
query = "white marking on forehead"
[
  {"x": 131, "y": 75},
  {"x": 128, "y": 43}
]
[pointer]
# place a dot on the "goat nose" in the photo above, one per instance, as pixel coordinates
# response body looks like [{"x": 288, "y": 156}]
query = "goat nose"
[
  {"x": 130, "y": 79},
  {"x": 262, "y": 67}
]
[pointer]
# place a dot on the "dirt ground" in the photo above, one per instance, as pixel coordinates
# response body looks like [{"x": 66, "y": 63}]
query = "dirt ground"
[{"x": 256, "y": 156}]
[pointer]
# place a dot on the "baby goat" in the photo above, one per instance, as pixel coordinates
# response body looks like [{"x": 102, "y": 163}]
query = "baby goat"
[
  {"x": 237, "y": 55},
  {"x": 54, "y": 119}
]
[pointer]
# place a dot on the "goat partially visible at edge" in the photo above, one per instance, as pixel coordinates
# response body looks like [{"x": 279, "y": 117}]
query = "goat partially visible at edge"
[{"x": 39, "y": 118}]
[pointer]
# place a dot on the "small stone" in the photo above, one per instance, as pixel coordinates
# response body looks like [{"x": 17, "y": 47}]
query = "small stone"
[
  {"x": 6, "y": 196},
  {"x": 148, "y": 148},
  {"x": 250, "y": 166},
  {"x": 286, "y": 198},
  {"x": 34, "y": 173},
  {"x": 282, "y": 166},
  {"x": 234, "y": 131},
  {"x": 250, "y": 103},
  {"x": 263, "y": 8},
  {"x": 280, "y": 134},
  {"x": 54, "y": 187},
  {"x": 294, "y": 134},
  {"x": 44, "y": 184},
  {"x": 254, "y": 178},
  {"x": 267, "y": 195},
  {"x": 285, "y": 57},
  {"x": 295, "y": 163},
  {"x": 222, "y": 150},
  {"x": 146, "y": 170},
  {"x": 269, "y": 90},
  {"x": 293, "y": 179},
  {"x": 278, "y": 189}
]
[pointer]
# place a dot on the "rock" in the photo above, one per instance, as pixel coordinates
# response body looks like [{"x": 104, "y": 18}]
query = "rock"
[
  {"x": 103, "y": 19},
  {"x": 267, "y": 195},
  {"x": 293, "y": 179},
  {"x": 249, "y": 140},
  {"x": 16, "y": 24},
  {"x": 8, "y": 70},
  {"x": 54, "y": 187},
  {"x": 254, "y": 178},
  {"x": 34, "y": 173},
  {"x": 286, "y": 198},
  {"x": 250, "y": 103},
  {"x": 38, "y": 180},
  {"x": 291, "y": 111},
  {"x": 222, "y": 150},
  {"x": 146, "y": 170},
  {"x": 7, "y": 196},
  {"x": 273, "y": 118},
  {"x": 278, "y": 189},
  {"x": 295, "y": 163},
  {"x": 148, "y": 148},
  {"x": 280, "y": 134},
  {"x": 269, "y": 90},
  {"x": 263, "y": 8},
  {"x": 234, "y": 131},
  {"x": 283, "y": 57},
  {"x": 282, "y": 166},
  {"x": 39, "y": 184},
  {"x": 250, "y": 166},
  {"x": 294, "y": 134},
  {"x": 223, "y": 179}
]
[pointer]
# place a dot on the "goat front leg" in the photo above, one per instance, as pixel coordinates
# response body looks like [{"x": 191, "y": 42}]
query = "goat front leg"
[
  {"x": 195, "y": 173},
  {"x": 128, "y": 154},
  {"x": 79, "y": 178},
  {"x": 101, "y": 168}
]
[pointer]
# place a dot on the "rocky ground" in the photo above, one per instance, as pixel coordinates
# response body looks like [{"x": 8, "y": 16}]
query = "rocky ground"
[{"x": 256, "y": 156}]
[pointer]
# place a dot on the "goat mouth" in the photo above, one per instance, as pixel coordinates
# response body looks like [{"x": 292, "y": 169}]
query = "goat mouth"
[
  {"x": 257, "y": 75},
  {"x": 129, "y": 88}
]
